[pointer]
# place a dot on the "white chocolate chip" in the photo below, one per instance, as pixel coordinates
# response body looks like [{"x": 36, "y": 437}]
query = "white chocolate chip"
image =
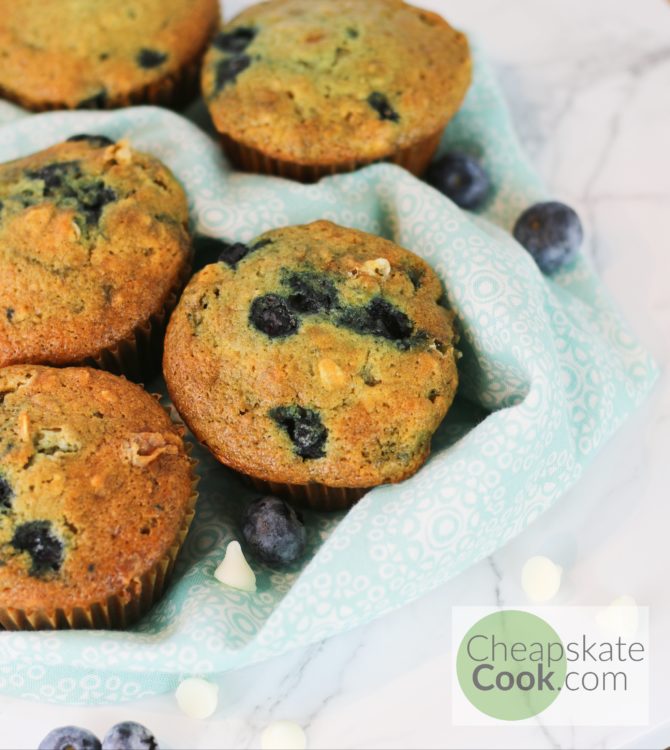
[
  {"x": 331, "y": 374},
  {"x": 234, "y": 570},
  {"x": 119, "y": 152},
  {"x": 24, "y": 427},
  {"x": 76, "y": 230},
  {"x": 621, "y": 618},
  {"x": 377, "y": 267},
  {"x": 197, "y": 698},
  {"x": 541, "y": 579},
  {"x": 283, "y": 735}
]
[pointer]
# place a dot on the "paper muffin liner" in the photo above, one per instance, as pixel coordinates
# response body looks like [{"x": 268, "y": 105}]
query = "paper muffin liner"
[
  {"x": 414, "y": 159},
  {"x": 138, "y": 357},
  {"x": 315, "y": 496},
  {"x": 120, "y": 610}
]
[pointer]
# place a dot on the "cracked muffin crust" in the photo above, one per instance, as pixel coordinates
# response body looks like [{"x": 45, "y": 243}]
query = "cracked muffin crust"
[
  {"x": 96, "y": 495},
  {"x": 314, "y": 356},
  {"x": 331, "y": 85},
  {"x": 93, "y": 54},
  {"x": 94, "y": 243}
]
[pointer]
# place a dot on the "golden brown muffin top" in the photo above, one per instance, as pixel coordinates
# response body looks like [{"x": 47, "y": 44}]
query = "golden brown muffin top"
[
  {"x": 330, "y": 81},
  {"x": 314, "y": 354},
  {"x": 96, "y": 53},
  {"x": 93, "y": 239},
  {"x": 95, "y": 486}
]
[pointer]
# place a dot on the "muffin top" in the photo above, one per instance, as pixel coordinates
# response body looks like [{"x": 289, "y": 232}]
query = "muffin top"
[
  {"x": 66, "y": 54},
  {"x": 95, "y": 486},
  {"x": 327, "y": 82},
  {"x": 314, "y": 354},
  {"x": 93, "y": 239}
]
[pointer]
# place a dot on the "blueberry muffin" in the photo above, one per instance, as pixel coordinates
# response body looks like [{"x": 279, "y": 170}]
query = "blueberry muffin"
[
  {"x": 317, "y": 360},
  {"x": 84, "y": 54},
  {"x": 94, "y": 245},
  {"x": 304, "y": 88},
  {"x": 96, "y": 496}
]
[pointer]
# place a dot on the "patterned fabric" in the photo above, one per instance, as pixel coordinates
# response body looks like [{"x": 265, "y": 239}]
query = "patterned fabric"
[{"x": 549, "y": 372}]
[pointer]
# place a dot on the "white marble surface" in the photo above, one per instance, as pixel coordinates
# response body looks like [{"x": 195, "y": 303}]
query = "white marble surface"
[{"x": 589, "y": 85}]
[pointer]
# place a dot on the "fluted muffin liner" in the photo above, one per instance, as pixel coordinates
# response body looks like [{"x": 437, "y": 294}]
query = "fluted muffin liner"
[
  {"x": 174, "y": 90},
  {"x": 139, "y": 355},
  {"x": 414, "y": 159},
  {"x": 117, "y": 611},
  {"x": 315, "y": 496}
]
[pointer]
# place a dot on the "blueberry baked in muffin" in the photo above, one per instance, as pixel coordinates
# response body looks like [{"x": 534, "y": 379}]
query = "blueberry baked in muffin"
[
  {"x": 304, "y": 88},
  {"x": 96, "y": 54},
  {"x": 96, "y": 496},
  {"x": 94, "y": 245},
  {"x": 316, "y": 358}
]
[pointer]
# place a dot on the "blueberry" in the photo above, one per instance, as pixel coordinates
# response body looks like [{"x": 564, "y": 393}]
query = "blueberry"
[
  {"x": 232, "y": 253},
  {"x": 271, "y": 315},
  {"x": 235, "y": 41},
  {"x": 44, "y": 547},
  {"x": 228, "y": 70},
  {"x": 551, "y": 232},
  {"x": 311, "y": 293},
  {"x": 378, "y": 318},
  {"x": 129, "y": 735},
  {"x": 151, "y": 58},
  {"x": 305, "y": 429},
  {"x": 70, "y": 738},
  {"x": 461, "y": 178},
  {"x": 93, "y": 198},
  {"x": 6, "y": 495},
  {"x": 97, "y": 101},
  {"x": 96, "y": 141},
  {"x": 274, "y": 531},
  {"x": 53, "y": 175},
  {"x": 381, "y": 105}
]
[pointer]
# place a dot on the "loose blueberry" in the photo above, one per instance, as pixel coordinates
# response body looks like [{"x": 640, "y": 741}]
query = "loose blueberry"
[
  {"x": 228, "y": 70},
  {"x": 271, "y": 315},
  {"x": 70, "y": 738},
  {"x": 311, "y": 293},
  {"x": 129, "y": 735},
  {"x": 551, "y": 232},
  {"x": 6, "y": 495},
  {"x": 150, "y": 58},
  {"x": 274, "y": 531},
  {"x": 235, "y": 41},
  {"x": 304, "y": 427},
  {"x": 44, "y": 547},
  {"x": 97, "y": 101},
  {"x": 381, "y": 105},
  {"x": 96, "y": 141},
  {"x": 461, "y": 178}
]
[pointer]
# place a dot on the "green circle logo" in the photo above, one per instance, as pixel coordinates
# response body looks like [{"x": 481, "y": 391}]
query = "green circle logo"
[{"x": 511, "y": 665}]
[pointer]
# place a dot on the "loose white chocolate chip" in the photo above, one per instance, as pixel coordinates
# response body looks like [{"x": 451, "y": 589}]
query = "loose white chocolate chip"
[
  {"x": 283, "y": 735},
  {"x": 377, "y": 267},
  {"x": 197, "y": 698},
  {"x": 621, "y": 618},
  {"x": 234, "y": 570},
  {"x": 541, "y": 579},
  {"x": 331, "y": 374}
]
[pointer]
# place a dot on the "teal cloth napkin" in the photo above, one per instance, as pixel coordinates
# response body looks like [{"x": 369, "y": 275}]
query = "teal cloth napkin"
[{"x": 549, "y": 372}]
